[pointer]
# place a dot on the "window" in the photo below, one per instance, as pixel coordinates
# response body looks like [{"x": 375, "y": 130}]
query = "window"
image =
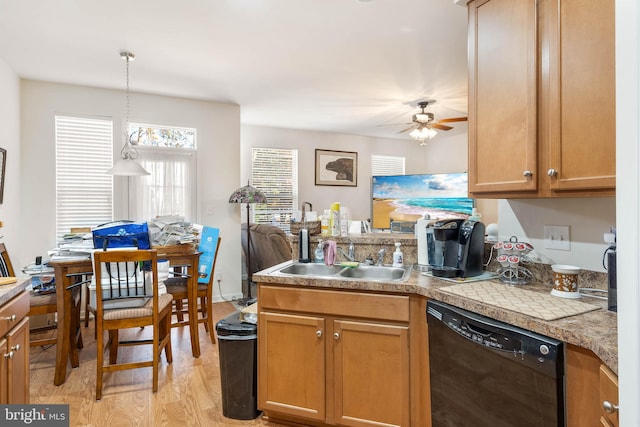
[
  {"x": 387, "y": 165},
  {"x": 84, "y": 192},
  {"x": 275, "y": 172},
  {"x": 169, "y": 154}
]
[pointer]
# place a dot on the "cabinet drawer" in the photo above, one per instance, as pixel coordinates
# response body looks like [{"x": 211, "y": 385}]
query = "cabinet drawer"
[
  {"x": 335, "y": 303},
  {"x": 609, "y": 393},
  {"x": 18, "y": 306}
]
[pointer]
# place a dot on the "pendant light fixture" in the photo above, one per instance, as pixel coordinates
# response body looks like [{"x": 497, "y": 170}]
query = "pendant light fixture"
[{"x": 127, "y": 165}]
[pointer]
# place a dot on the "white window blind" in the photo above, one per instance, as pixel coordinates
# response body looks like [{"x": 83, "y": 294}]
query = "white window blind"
[
  {"x": 387, "y": 165},
  {"x": 84, "y": 152},
  {"x": 274, "y": 171}
]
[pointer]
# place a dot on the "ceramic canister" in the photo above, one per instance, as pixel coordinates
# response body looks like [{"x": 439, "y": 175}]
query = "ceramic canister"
[{"x": 565, "y": 281}]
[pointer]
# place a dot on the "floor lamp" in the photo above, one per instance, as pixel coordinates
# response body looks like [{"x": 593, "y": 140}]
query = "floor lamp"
[{"x": 248, "y": 195}]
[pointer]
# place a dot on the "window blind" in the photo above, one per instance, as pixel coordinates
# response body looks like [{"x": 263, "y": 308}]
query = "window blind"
[
  {"x": 387, "y": 165},
  {"x": 274, "y": 171},
  {"x": 84, "y": 152}
]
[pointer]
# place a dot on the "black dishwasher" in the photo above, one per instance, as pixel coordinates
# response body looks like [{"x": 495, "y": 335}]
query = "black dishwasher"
[{"x": 489, "y": 373}]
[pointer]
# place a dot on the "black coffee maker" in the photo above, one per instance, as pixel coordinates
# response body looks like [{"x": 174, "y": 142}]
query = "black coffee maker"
[{"x": 461, "y": 243}]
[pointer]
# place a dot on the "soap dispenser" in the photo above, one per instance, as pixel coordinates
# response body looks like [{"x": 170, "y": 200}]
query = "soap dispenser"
[{"x": 397, "y": 256}]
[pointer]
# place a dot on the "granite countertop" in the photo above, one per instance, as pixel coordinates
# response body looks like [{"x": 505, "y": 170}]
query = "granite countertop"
[
  {"x": 7, "y": 292},
  {"x": 595, "y": 330}
]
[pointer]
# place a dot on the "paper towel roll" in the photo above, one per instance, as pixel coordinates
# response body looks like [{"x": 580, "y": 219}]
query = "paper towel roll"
[{"x": 421, "y": 237}]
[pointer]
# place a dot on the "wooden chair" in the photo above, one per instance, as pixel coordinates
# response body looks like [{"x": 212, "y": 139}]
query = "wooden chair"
[
  {"x": 126, "y": 296},
  {"x": 177, "y": 286},
  {"x": 47, "y": 304}
]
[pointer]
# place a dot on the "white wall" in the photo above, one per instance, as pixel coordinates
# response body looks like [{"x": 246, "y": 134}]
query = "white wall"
[
  {"x": 10, "y": 125},
  {"x": 588, "y": 219},
  {"x": 357, "y": 199},
  {"x": 218, "y": 127}
]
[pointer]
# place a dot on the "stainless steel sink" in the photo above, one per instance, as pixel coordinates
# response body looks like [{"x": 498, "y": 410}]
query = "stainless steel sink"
[
  {"x": 311, "y": 269},
  {"x": 372, "y": 273},
  {"x": 375, "y": 272}
]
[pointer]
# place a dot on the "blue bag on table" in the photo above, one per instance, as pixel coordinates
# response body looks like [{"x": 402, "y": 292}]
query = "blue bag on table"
[{"x": 121, "y": 234}]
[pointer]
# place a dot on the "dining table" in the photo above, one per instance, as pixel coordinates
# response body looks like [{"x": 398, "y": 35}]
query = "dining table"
[{"x": 66, "y": 274}]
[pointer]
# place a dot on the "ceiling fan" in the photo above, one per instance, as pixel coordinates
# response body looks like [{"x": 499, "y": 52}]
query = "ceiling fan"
[{"x": 423, "y": 124}]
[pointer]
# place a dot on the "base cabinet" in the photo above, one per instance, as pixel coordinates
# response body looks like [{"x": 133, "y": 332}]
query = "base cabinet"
[
  {"x": 591, "y": 390},
  {"x": 335, "y": 365},
  {"x": 14, "y": 349}
]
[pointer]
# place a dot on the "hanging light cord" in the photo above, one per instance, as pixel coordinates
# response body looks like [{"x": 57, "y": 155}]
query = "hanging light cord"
[{"x": 128, "y": 150}]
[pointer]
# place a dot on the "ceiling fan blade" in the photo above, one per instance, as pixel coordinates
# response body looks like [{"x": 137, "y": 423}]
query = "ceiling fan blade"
[
  {"x": 407, "y": 129},
  {"x": 441, "y": 127},
  {"x": 454, "y": 119}
]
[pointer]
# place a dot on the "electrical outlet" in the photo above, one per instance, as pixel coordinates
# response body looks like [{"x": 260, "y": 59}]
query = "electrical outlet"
[
  {"x": 218, "y": 276},
  {"x": 557, "y": 237}
]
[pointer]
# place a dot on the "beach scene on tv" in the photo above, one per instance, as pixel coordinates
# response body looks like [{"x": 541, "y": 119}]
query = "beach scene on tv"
[{"x": 410, "y": 197}]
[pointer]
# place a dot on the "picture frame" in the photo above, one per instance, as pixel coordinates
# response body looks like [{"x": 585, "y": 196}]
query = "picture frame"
[
  {"x": 336, "y": 168},
  {"x": 3, "y": 163}
]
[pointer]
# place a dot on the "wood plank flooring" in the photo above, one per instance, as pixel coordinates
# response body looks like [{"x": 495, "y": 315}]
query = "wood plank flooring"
[{"x": 189, "y": 391}]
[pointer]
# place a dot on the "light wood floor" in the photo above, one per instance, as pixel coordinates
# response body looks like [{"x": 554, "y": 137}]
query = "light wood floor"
[{"x": 189, "y": 391}]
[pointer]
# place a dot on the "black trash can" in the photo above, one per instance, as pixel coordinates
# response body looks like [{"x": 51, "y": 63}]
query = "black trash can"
[{"x": 238, "y": 350}]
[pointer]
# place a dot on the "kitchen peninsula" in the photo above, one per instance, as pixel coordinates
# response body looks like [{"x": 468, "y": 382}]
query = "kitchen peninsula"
[{"x": 330, "y": 328}]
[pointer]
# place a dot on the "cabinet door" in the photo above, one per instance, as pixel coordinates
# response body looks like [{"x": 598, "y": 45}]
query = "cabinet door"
[
  {"x": 291, "y": 364},
  {"x": 4, "y": 360},
  {"x": 371, "y": 371},
  {"x": 502, "y": 96},
  {"x": 18, "y": 363},
  {"x": 578, "y": 88}
]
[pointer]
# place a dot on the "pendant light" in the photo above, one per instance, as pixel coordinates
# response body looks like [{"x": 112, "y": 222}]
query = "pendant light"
[{"x": 127, "y": 165}]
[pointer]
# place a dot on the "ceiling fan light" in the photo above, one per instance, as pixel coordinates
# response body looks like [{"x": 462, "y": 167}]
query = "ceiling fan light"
[
  {"x": 431, "y": 133},
  {"x": 415, "y": 134},
  {"x": 421, "y": 117}
]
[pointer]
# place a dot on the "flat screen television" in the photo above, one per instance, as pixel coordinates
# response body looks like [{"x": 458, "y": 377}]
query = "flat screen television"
[{"x": 410, "y": 197}]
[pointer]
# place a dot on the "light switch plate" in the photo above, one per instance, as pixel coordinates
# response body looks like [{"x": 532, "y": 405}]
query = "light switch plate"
[{"x": 557, "y": 237}]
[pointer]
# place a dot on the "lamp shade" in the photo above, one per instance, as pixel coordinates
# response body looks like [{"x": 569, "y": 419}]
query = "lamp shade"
[
  {"x": 127, "y": 167},
  {"x": 248, "y": 194}
]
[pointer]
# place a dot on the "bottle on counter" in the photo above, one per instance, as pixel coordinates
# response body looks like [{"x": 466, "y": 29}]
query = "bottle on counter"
[
  {"x": 334, "y": 221},
  {"x": 397, "y": 256},
  {"x": 324, "y": 223}
]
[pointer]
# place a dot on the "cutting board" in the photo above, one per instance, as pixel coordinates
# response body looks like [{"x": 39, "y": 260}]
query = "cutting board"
[{"x": 8, "y": 280}]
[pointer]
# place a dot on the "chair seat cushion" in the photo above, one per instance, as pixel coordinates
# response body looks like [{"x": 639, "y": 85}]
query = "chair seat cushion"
[
  {"x": 37, "y": 300},
  {"x": 144, "y": 311},
  {"x": 179, "y": 286}
]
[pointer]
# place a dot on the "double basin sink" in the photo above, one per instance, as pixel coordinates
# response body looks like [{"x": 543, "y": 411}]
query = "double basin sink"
[{"x": 376, "y": 273}]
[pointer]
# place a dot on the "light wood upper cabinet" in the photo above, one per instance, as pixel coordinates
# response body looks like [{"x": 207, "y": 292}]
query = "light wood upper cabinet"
[
  {"x": 502, "y": 96},
  {"x": 541, "y": 98}
]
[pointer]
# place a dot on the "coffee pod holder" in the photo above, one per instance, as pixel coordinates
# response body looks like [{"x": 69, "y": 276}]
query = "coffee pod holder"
[{"x": 511, "y": 255}]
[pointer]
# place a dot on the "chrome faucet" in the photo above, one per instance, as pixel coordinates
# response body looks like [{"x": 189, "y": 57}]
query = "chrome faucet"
[
  {"x": 381, "y": 253},
  {"x": 351, "y": 253}
]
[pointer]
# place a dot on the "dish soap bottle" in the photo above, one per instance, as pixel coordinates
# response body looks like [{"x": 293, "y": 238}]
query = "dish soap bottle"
[
  {"x": 319, "y": 258},
  {"x": 397, "y": 256}
]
